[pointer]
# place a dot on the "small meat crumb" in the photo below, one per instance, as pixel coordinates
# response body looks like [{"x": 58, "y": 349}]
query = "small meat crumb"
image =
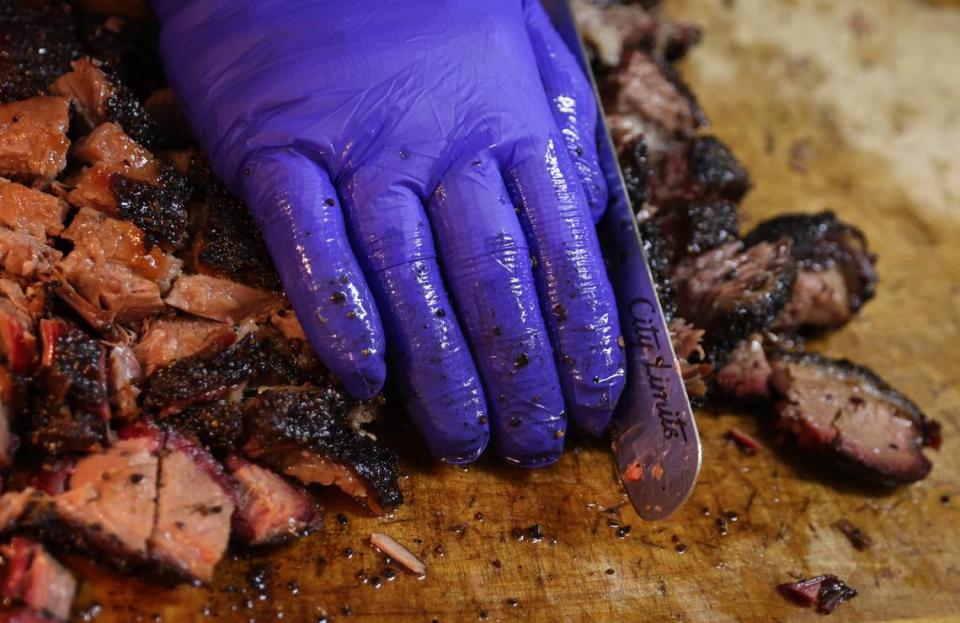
[
  {"x": 826, "y": 592},
  {"x": 747, "y": 444},
  {"x": 398, "y": 552},
  {"x": 855, "y": 535}
]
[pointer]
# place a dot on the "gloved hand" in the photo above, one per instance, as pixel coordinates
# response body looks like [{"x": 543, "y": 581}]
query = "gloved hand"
[{"x": 425, "y": 168}]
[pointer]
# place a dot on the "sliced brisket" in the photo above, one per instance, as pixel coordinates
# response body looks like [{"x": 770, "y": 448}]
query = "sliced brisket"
[
  {"x": 220, "y": 299},
  {"x": 847, "y": 416},
  {"x": 307, "y": 435},
  {"x": 28, "y": 211}
]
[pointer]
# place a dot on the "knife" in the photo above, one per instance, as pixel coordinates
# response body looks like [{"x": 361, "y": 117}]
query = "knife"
[{"x": 655, "y": 438}]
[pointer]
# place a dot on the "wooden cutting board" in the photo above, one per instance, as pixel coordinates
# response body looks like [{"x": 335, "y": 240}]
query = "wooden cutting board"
[{"x": 851, "y": 106}]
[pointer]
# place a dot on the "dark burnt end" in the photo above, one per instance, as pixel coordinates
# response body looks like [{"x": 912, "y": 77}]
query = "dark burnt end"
[
  {"x": 229, "y": 242},
  {"x": 127, "y": 111},
  {"x": 732, "y": 293},
  {"x": 317, "y": 420},
  {"x": 846, "y": 416},
  {"x": 698, "y": 227},
  {"x": 636, "y": 172},
  {"x": 217, "y": 424},
  {"x": 715, "y": 169},
  {"x": 159, "y": 210},
  {"x": 821, "y": 241},
  {"x": 659, "y": 254},
  {"x": 199, "y": 379},
  {"x": 37, "y": 43},
  {"x": 78, "y": 358}
]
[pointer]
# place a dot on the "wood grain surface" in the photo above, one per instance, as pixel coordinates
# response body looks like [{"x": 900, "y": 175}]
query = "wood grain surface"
[{"x": 851, "y": 106}]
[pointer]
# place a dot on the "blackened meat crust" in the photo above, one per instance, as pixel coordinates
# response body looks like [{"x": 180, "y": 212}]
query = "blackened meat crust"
[
  {"x": 229, "y": 242},
  {"x": 127, "y": 111},
  {"x": 217, "y": 424},
  {"x": 317, "y": 420},
  {"x": 635, "y": 165},
  {"x": 37, "y": 43},
  {"x": 130, "y": 51},
  {"x": 713, "y": 166},
  {"x": 656, "y": 248},
  {"x": 821, "y": 241},
  {"x": 698, "y": 227},
  {"x": 851, "y": 419},
  {"x": 196, "y": 379},
  {"x": 159, "y": 210}
]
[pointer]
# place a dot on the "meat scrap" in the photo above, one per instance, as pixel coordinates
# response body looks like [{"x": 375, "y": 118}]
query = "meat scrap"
[
  {"x": 845, "y": 415},
  {"x": 22, "y": 255},
  {"x": 826, "y": 592},
  {"x": 702, "y": 169},
  {"x": 33, "y": 138},
  {"x": 857, "y": 537},
  {"x": 166, "y": 340},
  {"x": 307, "y": 435},
  {"x": 269, "y": 509},
  {"x": 33, "y": 577}
]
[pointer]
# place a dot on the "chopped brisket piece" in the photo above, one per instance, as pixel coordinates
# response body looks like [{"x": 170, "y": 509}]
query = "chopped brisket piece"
[
  {"x": 111, "y": 268},
  {"x": 269, "y": 509},
  {"x": 194, "y": 507},
  {"x": 847, "y": 416},
  {"x": 158, "y": 207},
  {"x": 286, "y": 322},
  {"x": 37, "y": 43},
  {"x": 28, "y": 211},
  {"x": 204, "y": 378},
  {"x": 686, "y": 340},
  {"x": 125, "y": 376},
  {"x": 22, "y": 255},
  {"x": 71, "y": 410},
  {"x": 217, "y": 424},
  {"x": 647, "y": 97},
  {"x": 307, "y": 435},
  {"x": 731, "y": 292},
  {"x": 836, "y": 269},
  {"x": 111, "y": 501},
  {"x": 825, "y": 591},
  {"x": 100, "y": 96},
  {"x": 166, "y": 340},
  {"x": 220, "y": 299},
  {"x": 15, "y": 505},
  {"x": 747, "y": 371},
  {"x": 703, "y": 169},
  {"x": 697, "y": 227},
  {"x": 18, "y": 343},
  {"x": 32, "y": 576},
  {"x": 110, "y": 152},
  {"x": 33, "y": 138},
  {"x": 227, "y": 242}
]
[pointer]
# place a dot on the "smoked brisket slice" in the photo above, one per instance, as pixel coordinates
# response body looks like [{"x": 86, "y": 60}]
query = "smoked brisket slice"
[
  {"x": 195, "y": 503},
  {"x": 307, "y": 434},
  {"x": 846, "y": 416}
]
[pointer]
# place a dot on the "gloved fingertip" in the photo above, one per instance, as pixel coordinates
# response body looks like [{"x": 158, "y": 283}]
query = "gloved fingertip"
[{"x": 368, "y": 379}]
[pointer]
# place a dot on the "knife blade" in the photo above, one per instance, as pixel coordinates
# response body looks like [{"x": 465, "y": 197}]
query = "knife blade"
[{"x": 654, "y": 434}]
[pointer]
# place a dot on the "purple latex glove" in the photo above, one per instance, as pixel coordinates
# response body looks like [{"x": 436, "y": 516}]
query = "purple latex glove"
[{"x": 425, "y": 168}]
